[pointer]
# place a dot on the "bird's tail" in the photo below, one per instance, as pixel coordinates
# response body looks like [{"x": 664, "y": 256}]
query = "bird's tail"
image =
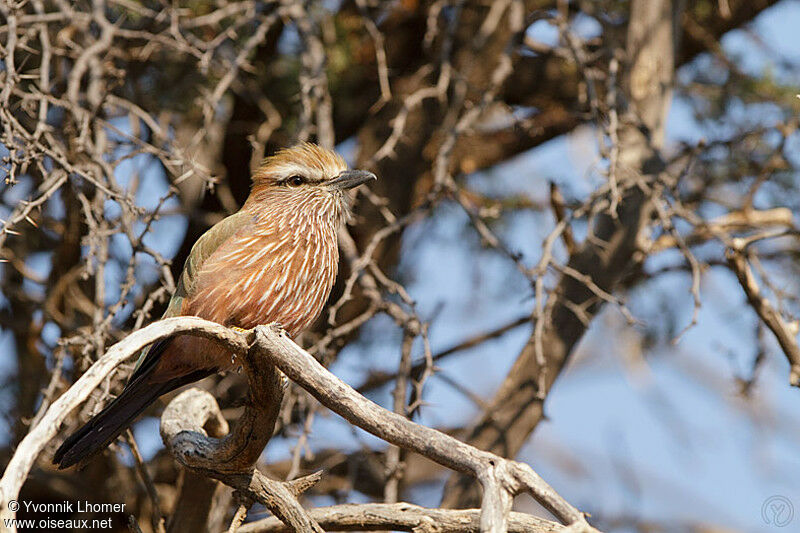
[{"x": 107, "y": 425}]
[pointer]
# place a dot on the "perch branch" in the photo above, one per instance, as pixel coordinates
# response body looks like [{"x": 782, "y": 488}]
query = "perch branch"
[
  {"x": 40, "y": 435},
  {"x": 404, "y": 517},
  {"x": 500, "y": 478},
  {"x": 231, "y": 459}
]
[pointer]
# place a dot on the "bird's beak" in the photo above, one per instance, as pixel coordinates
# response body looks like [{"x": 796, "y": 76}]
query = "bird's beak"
[{"x": 351, "y": 178}]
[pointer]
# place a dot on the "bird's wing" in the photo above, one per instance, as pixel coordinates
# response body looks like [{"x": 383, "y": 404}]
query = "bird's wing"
[
  {"x": 202, "y": 250},
  {"x": 206, "y": 245}
]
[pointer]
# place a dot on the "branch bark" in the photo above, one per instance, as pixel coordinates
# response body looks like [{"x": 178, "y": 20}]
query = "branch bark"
[
  {"x": 45, "y": 431},
  {"x": 604, "y": 257},
  {"x": 231, "y": 459},
  {"x": 786, "y": 334},
  {"x": 404, "y": 517},
  {"x": 500, "y": 478}
]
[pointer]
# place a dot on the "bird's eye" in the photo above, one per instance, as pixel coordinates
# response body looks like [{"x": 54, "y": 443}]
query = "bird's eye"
[{"x": 296, "y": 181}]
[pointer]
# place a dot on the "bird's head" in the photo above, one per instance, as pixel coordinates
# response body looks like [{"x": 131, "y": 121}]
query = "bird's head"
[{"x": 305, "y": 180}]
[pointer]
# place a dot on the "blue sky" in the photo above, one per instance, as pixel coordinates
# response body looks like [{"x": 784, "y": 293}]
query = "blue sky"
[{"x": 692, "y": 450}]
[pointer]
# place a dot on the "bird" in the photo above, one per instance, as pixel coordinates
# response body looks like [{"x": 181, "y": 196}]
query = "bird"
[{"x": 274, "y": 261}]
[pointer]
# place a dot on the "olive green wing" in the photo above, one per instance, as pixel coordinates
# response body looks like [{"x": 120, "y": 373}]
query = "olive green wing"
[
  {"x": 202, "y": 250},
  {"x": 206, "y": 245}
]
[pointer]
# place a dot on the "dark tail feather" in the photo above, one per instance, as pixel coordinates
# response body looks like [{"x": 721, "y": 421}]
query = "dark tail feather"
[
  {"x": 138, "y": 394},
  {"x": 98, "y": 432}
]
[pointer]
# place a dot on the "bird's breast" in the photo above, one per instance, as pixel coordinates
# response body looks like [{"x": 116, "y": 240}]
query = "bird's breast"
[{"x": 271, "y": 276}]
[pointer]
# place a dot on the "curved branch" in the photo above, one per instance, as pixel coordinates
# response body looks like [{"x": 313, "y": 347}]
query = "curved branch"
[
  {"x": 501, "y": 478},
  {"x": 40, "y": 435},
  {"x": 237, "y": 452},
  {"x": 232, "y": 459}
]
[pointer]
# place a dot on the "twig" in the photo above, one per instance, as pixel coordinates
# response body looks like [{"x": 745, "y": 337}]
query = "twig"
[
  {"x": 158, "y": 515},
  {"x": 34, "y": 442},
  {"x": 405, "y": 517},
  {"x": 785, "y": 333}
]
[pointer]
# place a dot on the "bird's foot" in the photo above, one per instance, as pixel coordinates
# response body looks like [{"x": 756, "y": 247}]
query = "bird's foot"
[{"x": 233, "y": 356}]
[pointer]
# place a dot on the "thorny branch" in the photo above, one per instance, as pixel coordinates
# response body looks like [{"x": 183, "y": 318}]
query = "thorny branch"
[
  {"x": 104, "y": 102},
  {"x": 231, "y": 459}
]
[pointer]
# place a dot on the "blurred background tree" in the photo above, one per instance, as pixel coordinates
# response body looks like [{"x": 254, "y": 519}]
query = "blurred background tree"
[{"x": 563, "y": 202}]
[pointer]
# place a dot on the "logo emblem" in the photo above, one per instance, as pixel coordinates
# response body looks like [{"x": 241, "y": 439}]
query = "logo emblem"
[{"x": 777, "y": 511}]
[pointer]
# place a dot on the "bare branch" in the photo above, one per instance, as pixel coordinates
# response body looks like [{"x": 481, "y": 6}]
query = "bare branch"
[
  {"x": 231, "y": 459},
  {"x": 500, "y": 478},
  {"x": 404, "y": 517},
  {"x": 34, "y": 442},
  {"x": 785, "y": 333}
]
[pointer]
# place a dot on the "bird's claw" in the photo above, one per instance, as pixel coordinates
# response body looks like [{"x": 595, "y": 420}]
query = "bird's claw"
[
  {"x": 278, "y": 328},
  {"x": 243, "y": 331}
]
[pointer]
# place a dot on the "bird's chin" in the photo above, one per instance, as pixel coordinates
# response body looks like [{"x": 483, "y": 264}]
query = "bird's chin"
[{"x": 345, "y": 210}]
